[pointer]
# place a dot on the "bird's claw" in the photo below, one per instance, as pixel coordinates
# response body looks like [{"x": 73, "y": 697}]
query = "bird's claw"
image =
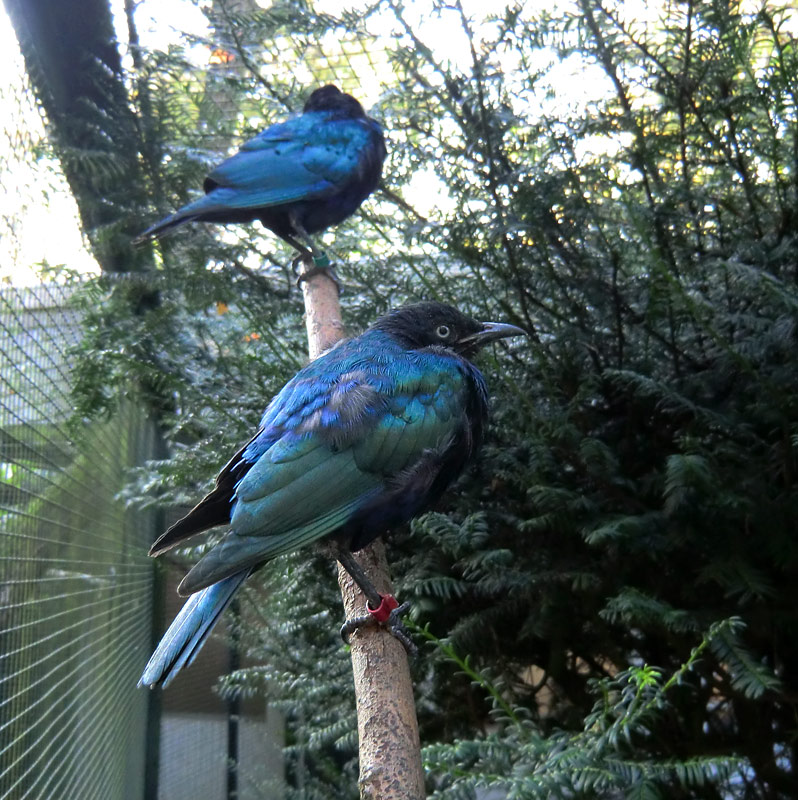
[
  {"x": 397, "y": 629},
  {"x": 392, "y": 623}
]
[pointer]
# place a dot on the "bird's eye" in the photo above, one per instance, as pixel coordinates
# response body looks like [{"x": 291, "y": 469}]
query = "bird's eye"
[{"x": 442, "y": 331}]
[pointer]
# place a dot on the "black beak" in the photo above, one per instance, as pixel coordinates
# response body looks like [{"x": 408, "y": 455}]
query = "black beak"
[{"x": 491, "y": 331}]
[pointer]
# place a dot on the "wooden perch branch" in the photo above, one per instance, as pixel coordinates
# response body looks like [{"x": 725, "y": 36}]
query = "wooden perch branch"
[{"x": 389, "y": 746}]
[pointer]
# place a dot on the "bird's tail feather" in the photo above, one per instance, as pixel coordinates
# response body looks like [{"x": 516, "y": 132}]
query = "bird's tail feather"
[
  {"x": 189, "y": 630},
  {"x": 165, "y": 225}
]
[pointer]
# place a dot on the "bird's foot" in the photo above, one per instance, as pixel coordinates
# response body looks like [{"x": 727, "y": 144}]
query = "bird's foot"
[
  {"x": 312, "y": 265},
  {"x": 389, "y": 615}
]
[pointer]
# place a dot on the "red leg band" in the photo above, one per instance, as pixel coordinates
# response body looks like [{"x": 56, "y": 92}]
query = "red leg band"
[{"x": 383, "y": 611}]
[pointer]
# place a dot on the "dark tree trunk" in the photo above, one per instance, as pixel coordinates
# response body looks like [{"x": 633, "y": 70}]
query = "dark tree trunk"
[{"x": 73, "y": 61}]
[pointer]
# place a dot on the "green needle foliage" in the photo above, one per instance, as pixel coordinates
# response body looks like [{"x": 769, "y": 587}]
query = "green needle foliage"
[
  {"x": 601, "y": 760},
  {"x": 636, "y": 503}
]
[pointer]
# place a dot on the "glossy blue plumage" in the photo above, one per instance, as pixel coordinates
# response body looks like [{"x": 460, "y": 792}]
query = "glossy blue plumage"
[
  {"x": 359, "y": 441},
  {"x": 297, "y": 177},
  {"x": 187, "y": 633}
]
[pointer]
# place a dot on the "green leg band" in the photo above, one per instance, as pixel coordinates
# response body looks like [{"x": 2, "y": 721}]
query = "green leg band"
[{"x": 321, "y": 261}]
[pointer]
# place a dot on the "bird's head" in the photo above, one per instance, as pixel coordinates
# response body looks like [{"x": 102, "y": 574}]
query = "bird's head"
[
  {"x": 331, "y": 98},
  {"x": 430, "y": 323}
]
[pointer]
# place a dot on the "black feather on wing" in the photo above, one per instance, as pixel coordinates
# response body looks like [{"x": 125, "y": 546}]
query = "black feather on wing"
[{"x": 212, "y": 510}]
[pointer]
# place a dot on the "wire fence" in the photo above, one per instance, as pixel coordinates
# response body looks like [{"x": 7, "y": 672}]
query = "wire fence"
[
  {"x": 78, "y": 595},
  {"x": 76, "y": 585}
]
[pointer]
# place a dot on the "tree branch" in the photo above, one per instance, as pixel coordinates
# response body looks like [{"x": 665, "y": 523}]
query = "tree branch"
[{"x": 389, "y": 746}]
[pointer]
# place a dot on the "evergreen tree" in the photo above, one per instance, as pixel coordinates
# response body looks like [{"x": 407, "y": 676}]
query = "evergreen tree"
[{"x": 609, "y": 594}]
